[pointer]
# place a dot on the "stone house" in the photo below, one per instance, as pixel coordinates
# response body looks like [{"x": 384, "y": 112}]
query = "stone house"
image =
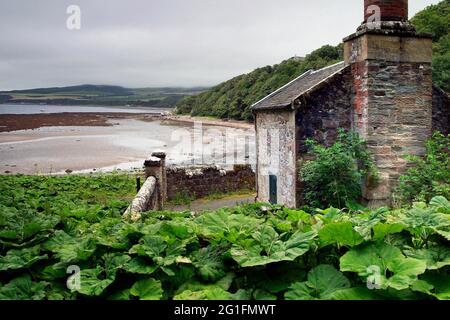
[{"x": 383, "y": 90}]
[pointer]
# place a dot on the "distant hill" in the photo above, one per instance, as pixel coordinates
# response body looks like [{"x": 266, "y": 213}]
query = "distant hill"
[
  {"x": 233, "y": 98},
  {"x": 100, "y": 95},
  {"x": 79, "y": 90}
]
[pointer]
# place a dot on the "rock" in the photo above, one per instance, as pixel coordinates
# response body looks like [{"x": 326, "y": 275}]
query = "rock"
[
  {"x": 68, "y": 171},
  {"x": 7, "y": 171}
]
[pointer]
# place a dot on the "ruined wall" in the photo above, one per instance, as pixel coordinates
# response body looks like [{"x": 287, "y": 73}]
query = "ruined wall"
[
  {"x": 202, "y": 181},
  {"x": 275, "y": 145},
  {"x": 441, "y": 111}
]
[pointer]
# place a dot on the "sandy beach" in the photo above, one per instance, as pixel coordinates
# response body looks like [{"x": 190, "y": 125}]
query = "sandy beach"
[{"x": 92, "y": 142}]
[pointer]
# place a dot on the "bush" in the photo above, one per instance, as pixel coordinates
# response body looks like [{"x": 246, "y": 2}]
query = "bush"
[
  {"x": 430, "y": 175},
  {"x": 334, "y": 177}
]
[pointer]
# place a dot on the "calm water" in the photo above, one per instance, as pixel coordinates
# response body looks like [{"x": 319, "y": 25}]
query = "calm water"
[{"x": 36, "y": 109}]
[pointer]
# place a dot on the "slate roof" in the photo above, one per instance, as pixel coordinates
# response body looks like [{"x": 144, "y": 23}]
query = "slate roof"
[{"x": 283, "y": 97}]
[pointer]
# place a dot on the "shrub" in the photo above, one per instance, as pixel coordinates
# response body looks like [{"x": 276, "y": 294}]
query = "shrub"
[
  {"x": 334, "y": 176},
  {"x": 430, "y": 175}
]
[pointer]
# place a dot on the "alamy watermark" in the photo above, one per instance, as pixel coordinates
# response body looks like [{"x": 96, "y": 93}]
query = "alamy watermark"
[{"x": 73, "y": 21}]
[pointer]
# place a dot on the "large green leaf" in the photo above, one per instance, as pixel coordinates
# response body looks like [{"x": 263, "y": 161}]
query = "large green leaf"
[
  {"x": 435, "y": 257},
  {"x": 23, "y": 288},
  {"x": 21, "y": 258},
  {"x": 209, "y": 262},
  {"x": 269, "y": 248},
  {"x": 214, "y": 294},
  {"x": 223, "y": 225},
  {"x": 114, "y": 262},
  {"x": 441, "y": 204},
  {"x": 381, "y": 230},
  {"x": 322, "y": 281},
  {"x": 438, "y": 284},
  {"x": 341, "y": 233},
  {"x": 148, "y": 289},
  {"x": 68, "y": 248},
  {"x": 139, "y": 265},
  {"x": 357, "y": 293},
  {"x": 92, "y": 283},
  {"x": 375, "y": 259}
]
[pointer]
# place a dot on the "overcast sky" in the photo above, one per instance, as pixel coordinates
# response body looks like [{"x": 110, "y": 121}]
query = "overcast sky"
[{"x": 148, "y": 43}]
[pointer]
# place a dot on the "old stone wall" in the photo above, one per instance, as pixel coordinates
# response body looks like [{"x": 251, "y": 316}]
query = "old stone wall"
[
  {"x": 393, "y": 113},
  {"x": 324, "y": 111},
  {"x": 441, "y": 111},
  {"x": 199, "y": 182}
]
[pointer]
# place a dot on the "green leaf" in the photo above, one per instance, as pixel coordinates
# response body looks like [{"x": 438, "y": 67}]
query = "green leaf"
[
  {"x": 441, "y": 204},
  {"x": 263, "y": 295},
  {"x": 120, "y": 295},
  {"x": 148, "y": 289},
  {"x": 21, "y": 258},
  {"x": 113, "y": 262},
  {"x": 323, "y": 280},
  {"x": 223, "y": 225},
  {"x": 269, "y": 248},
  {"x": 151, "y": 246},
  {"x": 375, "y": 259},
  {"x": 209, "y": 262},
  {"x": 140, "y": 266},
  {"x": 91, "y": 284},
  {"x": 440, "y": 283},
  {"x": 68, "y": 248},
  {"x": 435, "y": 257},
  {"x": 381, "y": 230},
  {"x": 358, "y": 293},
  {"x": 23, "y": 288},
  {"x": 341, "y": 233},
  {"x": 212, "y": 293}
]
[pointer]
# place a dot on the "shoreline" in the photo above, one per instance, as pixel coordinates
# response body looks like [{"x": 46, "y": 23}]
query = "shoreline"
[
  {"x": 237, "y": 124},
  {"x": 16, "y": 122}
]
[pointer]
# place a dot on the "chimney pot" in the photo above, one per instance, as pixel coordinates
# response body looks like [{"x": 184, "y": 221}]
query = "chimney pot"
[{"x": 391, "y": 10}]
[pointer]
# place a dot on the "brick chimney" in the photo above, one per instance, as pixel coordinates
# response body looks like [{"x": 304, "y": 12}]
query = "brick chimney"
[
  {"x": 392, "y": 91},
  {"x": 390, "y": 10}
]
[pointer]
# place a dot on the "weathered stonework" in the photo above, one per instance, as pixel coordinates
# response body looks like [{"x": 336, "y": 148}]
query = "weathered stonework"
[
  {"x": 392, "y": 102},
  {"x": 199, "y": 182},
  {"x": 276, "y": 145}
]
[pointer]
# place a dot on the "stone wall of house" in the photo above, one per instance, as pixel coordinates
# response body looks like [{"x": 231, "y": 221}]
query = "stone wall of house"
[
  {"x": 275, "y": 144},
  {"x": 441, "y": 111},
  {"x": 394, "y": 116},
  {"x": 324, "y": 111},
  {"x": 199, "y": 182}
]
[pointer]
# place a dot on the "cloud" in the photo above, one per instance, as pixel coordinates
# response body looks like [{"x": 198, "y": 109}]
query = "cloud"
[{"x": 141, "y": 43}]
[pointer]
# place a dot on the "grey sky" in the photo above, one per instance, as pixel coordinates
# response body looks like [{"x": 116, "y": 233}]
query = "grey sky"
[{"x": 143, "y": 43}]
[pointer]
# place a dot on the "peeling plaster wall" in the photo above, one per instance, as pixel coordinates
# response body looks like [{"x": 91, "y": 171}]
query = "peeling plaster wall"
[{"x": 275, "y": 145}]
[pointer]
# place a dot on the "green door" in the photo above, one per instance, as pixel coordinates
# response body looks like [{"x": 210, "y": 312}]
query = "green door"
[{"x": 273, "y": 189}]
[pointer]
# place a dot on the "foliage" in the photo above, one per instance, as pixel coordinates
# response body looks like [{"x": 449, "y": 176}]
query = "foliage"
[
  {"x": 430, "y": 175},
  {"x": 334, "y": 176},
  {"x": 252, "y": 252},
  {"x": 436, "y": 19},
  {"x": 233, "y": 99}
]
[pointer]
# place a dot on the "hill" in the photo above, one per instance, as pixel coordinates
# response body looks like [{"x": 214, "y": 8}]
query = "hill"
[
  {"x": 100, "y": 95},
  {"x": 436, "y": 19},
  {"x": 233, "y": 98}
]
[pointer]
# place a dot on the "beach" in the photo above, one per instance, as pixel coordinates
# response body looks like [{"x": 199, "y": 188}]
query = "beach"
[{"x": 87, "y": 142}]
